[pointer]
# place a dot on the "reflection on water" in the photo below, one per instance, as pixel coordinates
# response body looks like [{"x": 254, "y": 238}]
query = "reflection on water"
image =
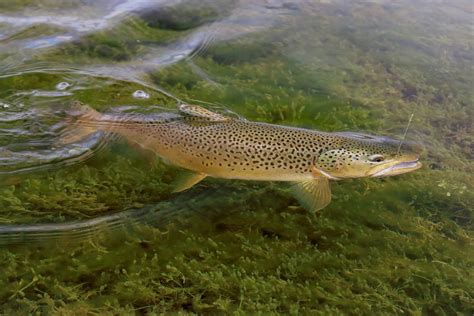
[
  {"x": 154, "y": 49},
  {"x": 363, "y": 66},
  {"x": 220, "y": 22}
]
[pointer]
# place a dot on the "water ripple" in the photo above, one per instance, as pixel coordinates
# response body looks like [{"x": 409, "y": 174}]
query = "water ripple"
[{"x": 41, "y": 45}]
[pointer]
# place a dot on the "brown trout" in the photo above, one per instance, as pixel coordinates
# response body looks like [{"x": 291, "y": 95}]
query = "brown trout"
[{"x": 209, "y": 144}]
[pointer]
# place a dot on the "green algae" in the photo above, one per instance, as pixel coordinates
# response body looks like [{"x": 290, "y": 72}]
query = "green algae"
[
  {"x": 377, "y": 261},
  {"x": 402, "y": 245}
]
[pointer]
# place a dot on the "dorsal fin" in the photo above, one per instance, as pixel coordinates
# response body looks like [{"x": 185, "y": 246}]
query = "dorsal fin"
[
  {"x": 198, "y": 111},
  {"x": 355, "y": 135}
]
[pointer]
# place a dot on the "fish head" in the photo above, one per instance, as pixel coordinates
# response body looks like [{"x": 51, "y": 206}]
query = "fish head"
[{"x": 360, "y": 155}]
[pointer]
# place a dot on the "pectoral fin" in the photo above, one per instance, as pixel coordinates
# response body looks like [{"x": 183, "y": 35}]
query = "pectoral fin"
[
  {"x": 314, "y": 194},
  {"x": 186, "y": 180}
]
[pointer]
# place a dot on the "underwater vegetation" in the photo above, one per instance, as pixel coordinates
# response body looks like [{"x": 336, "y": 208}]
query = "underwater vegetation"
[{"x": 401, "y": 245}]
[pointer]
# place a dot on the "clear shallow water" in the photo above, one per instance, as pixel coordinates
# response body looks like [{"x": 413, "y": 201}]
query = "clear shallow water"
[{"x": 327, "y": 65}]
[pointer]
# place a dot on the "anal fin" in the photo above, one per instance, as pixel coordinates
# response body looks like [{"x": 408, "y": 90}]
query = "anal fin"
[
  {"x": 186, "y": 180},
  {"x": 313, "y": 194}
]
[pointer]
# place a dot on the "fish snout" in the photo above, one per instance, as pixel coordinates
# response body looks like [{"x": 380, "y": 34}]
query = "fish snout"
[{"x": 398, "y": 168}]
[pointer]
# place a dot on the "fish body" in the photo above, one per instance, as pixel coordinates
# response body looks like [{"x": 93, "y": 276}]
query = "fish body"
[
  {"x": 210, "y": 144},
  {"x": 233, "y": 149}
]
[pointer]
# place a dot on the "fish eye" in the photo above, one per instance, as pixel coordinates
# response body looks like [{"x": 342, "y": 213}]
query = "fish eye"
[{"x": 376, "y": 158}]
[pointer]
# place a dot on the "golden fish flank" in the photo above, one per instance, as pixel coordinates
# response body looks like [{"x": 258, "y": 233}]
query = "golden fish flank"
[{"x": 211, "y": 144}]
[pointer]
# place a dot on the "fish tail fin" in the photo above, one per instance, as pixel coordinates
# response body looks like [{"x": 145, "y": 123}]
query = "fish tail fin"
[{"x": 81, "y": 122}]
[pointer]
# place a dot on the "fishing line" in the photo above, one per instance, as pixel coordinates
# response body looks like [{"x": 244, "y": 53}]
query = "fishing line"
[{"x": 405, "y": 133}]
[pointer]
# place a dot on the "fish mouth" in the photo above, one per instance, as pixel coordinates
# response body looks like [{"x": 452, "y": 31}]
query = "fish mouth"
[{"x": 399, "y": 168}]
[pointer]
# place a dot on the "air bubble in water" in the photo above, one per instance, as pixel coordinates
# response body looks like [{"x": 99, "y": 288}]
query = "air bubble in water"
[
  {"x": 63, "y": 85},
  {"x": 140, "y": 94}
]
